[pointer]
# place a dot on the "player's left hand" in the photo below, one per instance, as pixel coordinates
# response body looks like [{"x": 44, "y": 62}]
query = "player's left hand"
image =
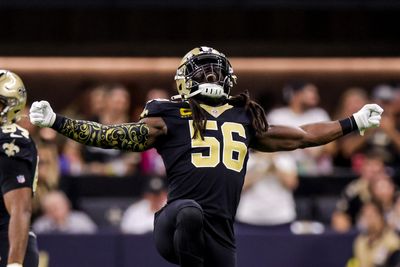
[{"x": 369, "y": 116}]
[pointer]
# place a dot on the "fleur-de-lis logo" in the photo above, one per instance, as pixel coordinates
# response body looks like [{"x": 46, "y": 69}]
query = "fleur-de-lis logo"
[{"x": 10, "y": 148}]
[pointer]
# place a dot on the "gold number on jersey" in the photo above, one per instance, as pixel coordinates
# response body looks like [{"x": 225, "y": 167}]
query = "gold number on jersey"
[
  {"x": 198, "y": 159},
  {"x": 233, "y": 152},
  {"x": 233, "y": 161},
  {"x": 12, "y": 128}
]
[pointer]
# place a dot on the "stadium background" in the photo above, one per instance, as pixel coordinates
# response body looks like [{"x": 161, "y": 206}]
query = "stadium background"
[{"x": 58, "y": 47}]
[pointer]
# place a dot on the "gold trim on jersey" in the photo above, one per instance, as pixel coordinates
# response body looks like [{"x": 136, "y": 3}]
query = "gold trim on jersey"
[
  {"x": 144, "y": 114},
  {"x": 216, "y": 111}
]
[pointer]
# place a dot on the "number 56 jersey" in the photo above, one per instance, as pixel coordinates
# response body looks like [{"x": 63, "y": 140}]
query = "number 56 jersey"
[{"x": 210, "y": 171}]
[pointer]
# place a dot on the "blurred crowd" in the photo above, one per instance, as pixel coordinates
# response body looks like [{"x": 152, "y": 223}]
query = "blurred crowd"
[{"x": 369, "y": 204}]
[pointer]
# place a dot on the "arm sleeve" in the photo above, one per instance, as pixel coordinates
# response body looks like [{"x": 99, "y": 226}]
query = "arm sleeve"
[
  {"x": 128, "y": 136},
  {"x": 15, "y": 173}
]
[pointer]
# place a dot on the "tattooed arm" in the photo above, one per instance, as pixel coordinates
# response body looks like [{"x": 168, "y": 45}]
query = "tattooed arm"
[
  {"x": 129, "y": 136},
  {"x": 136, "y": 137}
]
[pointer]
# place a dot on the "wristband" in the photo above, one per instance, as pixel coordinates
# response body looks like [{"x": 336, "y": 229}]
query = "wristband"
[
  {"x": 58, "y": 122},
  {"x": 14, "y": 265},
  {"x": 348, "y": 125}
]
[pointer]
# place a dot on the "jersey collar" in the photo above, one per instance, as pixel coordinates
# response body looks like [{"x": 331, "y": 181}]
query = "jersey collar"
[{"x": 216, "y": 111}]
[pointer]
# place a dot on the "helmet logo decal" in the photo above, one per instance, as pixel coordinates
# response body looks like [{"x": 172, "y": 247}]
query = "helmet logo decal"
[{"x": 11, "y": 83}]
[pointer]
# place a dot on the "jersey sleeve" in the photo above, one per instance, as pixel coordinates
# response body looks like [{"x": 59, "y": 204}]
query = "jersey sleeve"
[
  {"x": 165, "y": 108},
  {"x": 14, "y": 173}
]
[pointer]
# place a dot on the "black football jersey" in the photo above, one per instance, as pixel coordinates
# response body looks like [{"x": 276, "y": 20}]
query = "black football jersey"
[
  {"x": 18, "y": 164},
  {"x": 209, "y": 171}
]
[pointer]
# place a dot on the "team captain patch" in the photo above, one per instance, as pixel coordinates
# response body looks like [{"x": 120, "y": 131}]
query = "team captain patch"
[{"x": 185, "y": 112}]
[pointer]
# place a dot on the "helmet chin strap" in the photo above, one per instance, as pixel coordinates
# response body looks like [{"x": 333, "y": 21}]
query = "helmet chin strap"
[{"x": 210, "y": 90}]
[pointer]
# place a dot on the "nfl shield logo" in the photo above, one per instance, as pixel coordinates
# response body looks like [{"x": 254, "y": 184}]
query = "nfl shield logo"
[
  {"x": 21, "y": 179},
  {"x": 214, "y": 112}
]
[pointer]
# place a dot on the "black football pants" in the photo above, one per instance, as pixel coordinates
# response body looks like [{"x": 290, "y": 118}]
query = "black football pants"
[
  {"x": 31, "y": 256},
  {"x": 181, "y": 237}
]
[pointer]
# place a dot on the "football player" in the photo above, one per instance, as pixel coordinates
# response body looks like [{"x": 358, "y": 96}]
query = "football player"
[
  {"x": 203, "y": 136},
  {"x": 18, "y": 176}
]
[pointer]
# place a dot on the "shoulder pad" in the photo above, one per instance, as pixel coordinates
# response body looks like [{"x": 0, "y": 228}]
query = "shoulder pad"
[
  {"x": 165, "y": 108},
  {"x": 15, "y": 142}
]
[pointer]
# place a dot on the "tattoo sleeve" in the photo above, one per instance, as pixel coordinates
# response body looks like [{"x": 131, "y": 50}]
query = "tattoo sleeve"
[{"x": 128, "y": 137}]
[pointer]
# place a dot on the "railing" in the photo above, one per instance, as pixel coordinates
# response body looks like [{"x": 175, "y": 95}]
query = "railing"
[{"x": 255, "y": 247}]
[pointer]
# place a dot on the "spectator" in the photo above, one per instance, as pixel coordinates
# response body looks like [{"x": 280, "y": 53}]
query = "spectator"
[
  {"x": 267, "y": 197},
  {"x": 49, "y": 175},
  {"x": 348, "y": 148},
  {"x": 110, "y": 161},
  {"x": 139, "y": 217},
  {"x": 96, "y": 102},
  {"x": 383, "y": 191},
  {"x": 58, "y": 217},
  {"x": 357, "y": 193},
  {"x": 82, "y": 160},
  {"x": 387, "y": 138},
  {"x": 377, "y": 242},
  {"x": 303, "y": 99},
  {"x": 157, "y": 93},
  {"x": 393, "y": 217},
  {"x": 153, "y": 93},
  {"x": 71, "y": 160}
]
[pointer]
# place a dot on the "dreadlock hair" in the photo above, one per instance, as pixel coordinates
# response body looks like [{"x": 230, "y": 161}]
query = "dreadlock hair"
[{"x": 256, "y": 112}]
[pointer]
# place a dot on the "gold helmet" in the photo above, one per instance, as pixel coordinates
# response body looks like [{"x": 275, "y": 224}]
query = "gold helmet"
[
  {"x": 12, "y": 97},
  {"x": 204, "y": 71}
]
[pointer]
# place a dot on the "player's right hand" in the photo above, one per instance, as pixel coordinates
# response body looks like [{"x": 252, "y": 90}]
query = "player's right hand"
[
  {"x": 41, "y": 114},
  {"x": 369, "y": 116}
]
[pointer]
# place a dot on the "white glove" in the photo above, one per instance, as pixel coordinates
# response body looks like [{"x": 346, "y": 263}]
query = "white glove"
[
  {"x": 41, "y": 114},
  {"x": 369, "y": 116}
]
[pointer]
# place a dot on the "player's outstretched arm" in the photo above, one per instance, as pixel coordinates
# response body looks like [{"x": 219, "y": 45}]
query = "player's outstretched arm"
[
  {"x": 279, "y": 138},
  {"x": 129, "y": 136}
]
